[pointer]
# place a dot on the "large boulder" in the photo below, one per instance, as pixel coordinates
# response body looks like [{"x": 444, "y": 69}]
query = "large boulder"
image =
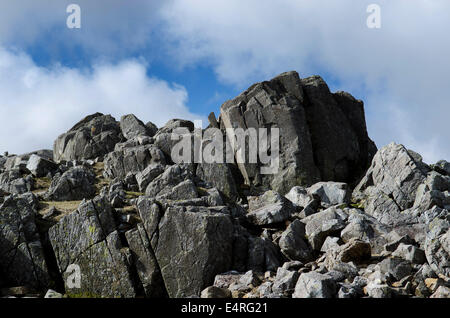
[
  {"x": 22, "y": 256},
  {"x": 293, "y": 243},
  {"x": 315, "y": 285},
  {"x": 40, "y": 167},
  {"x": 390, "y": 185},
  {"x": 134, "y": 159},
  {"x": 330, "y": 193},
  {"x": 12, "y": 181},
  {"x": 132, "y": 127},
  {"x": 145, "y": 261},
  {"x": 322, "y": 135},
  {"x": 92, "y": 137},
  {"x": 87, "y": 238},
  {"x": 269, "y": 208},
  {"x": 77, "y": 183},
  {"x": 323, "y": 224},
  {"x": 437, "y": 246},
  {"x": 191, "y": 247}
]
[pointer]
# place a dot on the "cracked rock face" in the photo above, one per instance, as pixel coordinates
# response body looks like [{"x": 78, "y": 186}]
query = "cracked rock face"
[
  {"x": 192, "y": 248},
  {"x": 323, "y": 135},
  {"x": 92, "y": 137},
  {"x": 22, "y": 259}
]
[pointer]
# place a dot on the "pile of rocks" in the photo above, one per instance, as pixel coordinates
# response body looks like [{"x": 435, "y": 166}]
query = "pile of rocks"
[{"x": 339, "y": 219}]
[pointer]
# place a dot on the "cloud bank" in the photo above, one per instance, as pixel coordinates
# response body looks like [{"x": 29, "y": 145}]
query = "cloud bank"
[{"x": 37, "y": 104}]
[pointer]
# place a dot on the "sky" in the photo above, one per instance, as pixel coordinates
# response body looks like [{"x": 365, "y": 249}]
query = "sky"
[{"x": 163, "y": 59}]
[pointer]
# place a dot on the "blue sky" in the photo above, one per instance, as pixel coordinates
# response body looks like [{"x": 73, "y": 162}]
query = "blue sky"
[{"x": 161, "y": 59}]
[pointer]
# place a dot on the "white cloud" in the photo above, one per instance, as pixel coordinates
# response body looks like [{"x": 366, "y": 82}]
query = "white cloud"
[
  {"x": 37, "y": 104},
  {"x": 108, "y": 28},
  {"x": 403, "y": 66}
]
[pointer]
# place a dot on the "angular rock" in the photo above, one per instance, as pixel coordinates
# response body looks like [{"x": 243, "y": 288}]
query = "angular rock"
[
  {"x": 75, "y": 184},
  {"x": 132, "y": 127},
  {"x": 284, "y": 282},
  {"x": 315, "y": 126},
  {"x": 145, "y": 261},
  {"x": 391, "y": 182},
  {"x": 132, "y": 160},
  {"x": 269, "y": 208},
  {"x": 355, "y": 251},
  {"x": 40, "y": 167},
  {"x": 92, "y": 137},
  {"x": 315, "y": 285},
  {"x": 410, "y": 253},
  {"x": 171, "y": 177},
  {"x": 192, "y": 248},
  {"x": 22, "y": 257},
  {"x": 323, "y": 224},
  {"x": 149, "y": 174},
  {"x": 437, "y": 247},
  {"x": 12, "y": 181},
  {"x": 331, "y": 193},
  {"x": 293, "y": 243}
]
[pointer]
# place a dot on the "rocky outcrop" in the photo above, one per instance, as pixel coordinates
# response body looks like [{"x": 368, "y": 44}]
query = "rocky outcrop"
[
  {"x": 323, "y": 135},
  {"x": 22, "y": 257},
  {"x": 75, "y": 184},
  {"x": 92, "y": 137},
  {"x": 192, "y": 247},
  {"x": 114, "y": 215}
]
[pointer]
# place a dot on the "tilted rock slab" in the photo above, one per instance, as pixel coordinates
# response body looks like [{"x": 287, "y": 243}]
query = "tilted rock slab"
[
  {"x": 92, "y": 137},
  {"x": 22, "y": 258},
  {"x": 191, "y": 247}
]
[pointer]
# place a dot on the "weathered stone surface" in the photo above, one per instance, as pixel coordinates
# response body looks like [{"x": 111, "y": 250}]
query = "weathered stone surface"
[
  {"x": 410, "y": 253},
  {"x": 132, "y": 160},
  {"x": 315, "y": 285},
  {"x": 391, "y": 182},
  {"x": 105, "y": 270},
  {"x": 92, "y": 137},
  {"x": 323, "y": 135},
  {"x": 331, "y": 193},
  {"x": 75, "y": 184},
  {"x": 441, "y": 292},
  {"x": 132, "y": 127},
  {"x": 192, "y": 248},
  {"x": 77, "y": 231},
  {"x": 40, "y": 167},
  {"x": 396, "y": 267},
  {"x": 355, "y": 251},
  {"x": 299, "y": 196},
  {"x": 143, "y": 178},
  {"x": 219, "y": 175},
  {"x": 171, "y": 177},
  {"x": 87, "y": 238},
  {"x": 215, "y": 292},
  {"x": 293, "y": 243},
  {"x": 145, "y": 262},
  {"x": 12, "y": 181},
  {"x": 323, "y": 224},
  {"x": 22, "y": 257},
  {"x": 269, "y": 208},
  {"x": 437, "y": 247},
  {"x": 284, "y": 282}
]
